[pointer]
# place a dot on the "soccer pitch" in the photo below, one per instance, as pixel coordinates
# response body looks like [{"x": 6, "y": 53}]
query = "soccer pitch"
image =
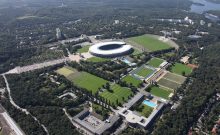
[
  {"x": 150, "y": 43},
  {"x": 88, "y": 81},
  {"x": 82, "y": 79},
  {"x": 160, "y": 92},
  {"x": 129, "y": 79},
  {"x": 155, "y": 62},
  {"x": 66, "y": 71},
  {"x": 144, "y": 72},
  {"x": 168, "y": 84},
  {"x": 175, "y": 77},
  {"x": 179, "y": 68},
  {"x": 119, "y": 93}
]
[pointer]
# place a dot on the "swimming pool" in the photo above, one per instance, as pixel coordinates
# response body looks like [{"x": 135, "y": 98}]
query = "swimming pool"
[
  {"x": 148, "y": 103},
  {"x": 126, "y": 61}
]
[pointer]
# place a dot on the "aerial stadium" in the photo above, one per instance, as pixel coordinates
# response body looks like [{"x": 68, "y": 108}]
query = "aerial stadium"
[{"x": 111, "y": 49}]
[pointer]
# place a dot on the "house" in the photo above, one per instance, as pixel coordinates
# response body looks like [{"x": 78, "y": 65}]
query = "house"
[{"x": 185, "y": 59}]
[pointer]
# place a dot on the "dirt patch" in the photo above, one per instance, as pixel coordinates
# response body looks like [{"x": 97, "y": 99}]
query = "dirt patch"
[{"x": 193, "y": 66}]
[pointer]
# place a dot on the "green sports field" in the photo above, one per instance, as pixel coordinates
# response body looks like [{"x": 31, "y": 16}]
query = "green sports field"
[
  {"x": 144, "y": 72},
  {"x": 97, "y": 59},
  {"x": 66, "y": 71},
  {"x": 82, "y": 79},
  {"x": 155, "y": 62},
  {"x": 83, "y": 49},
  {"x": 175, "y": 77},
  {"x": 88, "y": 81},
  {"x": 160, "y": 92},
  {"x": 179, "y": 68},
  {"x": 118, "y": 94},
  {"x": 149, "y": 42},
  {"x": 129, "y": 79},
  {"x": 169, "y": 84}
]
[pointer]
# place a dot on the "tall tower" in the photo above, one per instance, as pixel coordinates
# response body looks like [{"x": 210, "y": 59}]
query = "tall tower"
[{"x": 58, "y": 33}]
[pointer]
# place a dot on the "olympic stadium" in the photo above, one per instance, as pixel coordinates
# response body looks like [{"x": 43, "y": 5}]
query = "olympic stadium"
[{"x": 111, "y": 49}]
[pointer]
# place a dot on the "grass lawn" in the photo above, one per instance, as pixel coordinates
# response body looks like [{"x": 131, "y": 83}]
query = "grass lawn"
[
  {"x": 150, "y": 43},
  {"x": 155, "y": 62},
  {"x": 144, "y": 72},
  {"x": 136, "y": 51},
  {"x": 89, "y": 81},
  {"x": 144, "y": 110},
  {"x": 65, "y": 71},
  {"x": 119, "y": 93},
  {"x": 179, "y": 68},
  {"x": 83, "y": 49},
  {"x": 170, "y": 54},
  {"x": 129, "y": 79},
  {"x": 97, "y": 59},
  {"x": 160, "y": 92}
]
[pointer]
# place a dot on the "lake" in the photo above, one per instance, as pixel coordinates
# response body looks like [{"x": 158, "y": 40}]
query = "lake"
[{"x": 196, "y": 8}]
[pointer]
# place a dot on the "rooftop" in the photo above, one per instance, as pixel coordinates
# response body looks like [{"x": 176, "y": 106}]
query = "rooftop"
[{"x": 92, "y": 124}]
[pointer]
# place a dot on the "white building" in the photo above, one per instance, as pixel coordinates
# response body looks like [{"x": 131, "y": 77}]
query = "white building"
[
  {"x": 164, "y": 65},
  {"x": 116, "y": 22},
  {"x": 58, "y": 33},
  {"x": 202, "y": 22},
  {"x": 185, "y": 59}
]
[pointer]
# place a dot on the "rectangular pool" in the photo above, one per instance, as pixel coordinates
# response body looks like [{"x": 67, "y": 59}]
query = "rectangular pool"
[
  {"x": 148, "y": 103},
  {"x": 126, "y": 61}
]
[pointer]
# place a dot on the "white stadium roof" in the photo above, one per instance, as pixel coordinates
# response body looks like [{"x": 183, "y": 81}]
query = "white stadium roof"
[{"x": 95, "y": 49}]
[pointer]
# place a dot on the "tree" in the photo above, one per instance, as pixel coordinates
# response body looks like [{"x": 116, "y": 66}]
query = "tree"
[
  {"x": 107, "y": 86},
  {"x": 183, "y": 73},
  {"x": 117, "y": 102}
]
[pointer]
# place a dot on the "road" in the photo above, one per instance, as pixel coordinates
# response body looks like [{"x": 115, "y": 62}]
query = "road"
[
  {"x": 19, "y": 108},
  {"x": 9, "y": 126},
  {"x": 19, "y": 70},
  {"x": 12, "y": 124}
]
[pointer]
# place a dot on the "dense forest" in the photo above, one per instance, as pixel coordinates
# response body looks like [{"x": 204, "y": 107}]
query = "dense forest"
[
  {"x": 37, "y": 93},
  {"x": 2, "y": 82},
  {"x": 212, "y": 118}
]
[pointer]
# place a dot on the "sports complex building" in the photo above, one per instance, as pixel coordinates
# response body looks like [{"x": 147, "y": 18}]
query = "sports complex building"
[{"x": 110, "y": 49}]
